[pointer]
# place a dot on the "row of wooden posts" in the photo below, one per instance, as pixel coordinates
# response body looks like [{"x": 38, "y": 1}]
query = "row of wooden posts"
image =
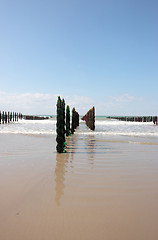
[
  {"x": 137, "y": 119},
  {"x": 7, "y": 117},
  {"x": 63, "y": 129},
  {"x": 89, "y": 118}
]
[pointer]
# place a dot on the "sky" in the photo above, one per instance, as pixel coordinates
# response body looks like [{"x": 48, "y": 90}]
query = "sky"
[{"x": 101, "y": 53}]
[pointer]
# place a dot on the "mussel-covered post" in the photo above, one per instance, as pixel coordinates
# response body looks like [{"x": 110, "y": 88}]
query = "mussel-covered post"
[
  {"x": 60, "y": 126},
  {"x": 63, "y": 112},
  {"x": 68, "y": 121},
  {"x": 76, "y": 119},
  {"x": 73, "y": 121}
]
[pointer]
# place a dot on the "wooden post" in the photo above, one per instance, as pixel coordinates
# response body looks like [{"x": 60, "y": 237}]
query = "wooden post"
[
  {"x": 17, "y": 116},
  {"x": 8, "y": 117},
  {"x": 0, "y": 117},
  {"x": 13, "y": 116},
  {"x": 5, "y": 117},
  {"x": 156, "y": 120}
]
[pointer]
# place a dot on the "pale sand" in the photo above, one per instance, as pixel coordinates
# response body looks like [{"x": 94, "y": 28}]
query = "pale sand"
[{"x": 100, "y": 189}]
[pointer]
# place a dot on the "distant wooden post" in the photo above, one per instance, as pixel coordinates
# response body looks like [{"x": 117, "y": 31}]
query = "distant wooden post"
[
  {"x": 144, "y": 119},
  {"x": 17, "y": 116},
  {"x": 8, "y": 117},
  {"x": 13, "y": 116},
  {"x": 5, "y": 117},
  {"x": 0, "y": 117}
]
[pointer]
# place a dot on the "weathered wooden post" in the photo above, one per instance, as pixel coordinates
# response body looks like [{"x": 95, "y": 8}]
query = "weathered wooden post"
[
  {"x": 60, "y": 126},
  {"x": 5, "y": 117},
  {"x": 93, "y": 119},
  {"x": 73, "y": 121},
  {"x": 63, "y": 112},
  {"x": 144, "y": 119},
  {"x": 76, "y": 119},
  {"x": 8, "y": 117},
  {"x": 89, "y": 118},
  {"x": 68, "y": 121},
  {"x": 155, "y": 120}
]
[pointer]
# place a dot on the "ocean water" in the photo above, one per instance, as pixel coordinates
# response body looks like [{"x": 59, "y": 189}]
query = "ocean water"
[{"x": 104, "y": 127}]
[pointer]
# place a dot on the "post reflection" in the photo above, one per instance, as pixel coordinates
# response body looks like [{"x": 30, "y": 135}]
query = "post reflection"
[
  {"x": 60, "y": 171},
  {"x": 91, "y": 146}
]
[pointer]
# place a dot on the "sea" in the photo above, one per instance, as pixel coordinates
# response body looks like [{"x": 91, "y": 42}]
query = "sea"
[{"x": 104, "y": 128}]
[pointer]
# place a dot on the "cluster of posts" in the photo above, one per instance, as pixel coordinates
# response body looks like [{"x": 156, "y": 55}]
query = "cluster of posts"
[
  {"x": 63, "y": 128},
  {"x": 31, "y": 117},
  {"x": 138, "y": 119},
  {"x": 89, "y": 118},
  {"x": 7, "y": 117}
]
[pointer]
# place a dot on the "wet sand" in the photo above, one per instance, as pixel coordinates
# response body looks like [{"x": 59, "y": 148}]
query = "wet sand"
[{"x": 99, "y": 189}]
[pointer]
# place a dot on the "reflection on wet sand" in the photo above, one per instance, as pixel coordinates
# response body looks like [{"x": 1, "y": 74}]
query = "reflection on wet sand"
[
  {"x": 60, "y": 171},
  {"x": 65, "y": 162},
  {"x": 91, "y": 143}
]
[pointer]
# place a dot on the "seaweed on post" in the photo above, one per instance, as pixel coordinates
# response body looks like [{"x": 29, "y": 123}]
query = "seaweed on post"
[
  {"x": 68, "y": 132},
  {"x": 60, "y": 126},
  {"x": 73, "y": 121},
  {"x": 63, "y": 124}
]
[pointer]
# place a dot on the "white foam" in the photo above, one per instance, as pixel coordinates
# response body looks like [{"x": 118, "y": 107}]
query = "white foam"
[{"x": 103, "y": 128}]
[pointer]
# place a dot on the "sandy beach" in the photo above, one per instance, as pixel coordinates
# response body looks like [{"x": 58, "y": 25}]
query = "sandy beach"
[{"x": 99, "y": 189}]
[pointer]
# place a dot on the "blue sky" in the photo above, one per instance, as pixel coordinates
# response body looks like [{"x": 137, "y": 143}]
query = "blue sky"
[{"x": 101, "y": 53}]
